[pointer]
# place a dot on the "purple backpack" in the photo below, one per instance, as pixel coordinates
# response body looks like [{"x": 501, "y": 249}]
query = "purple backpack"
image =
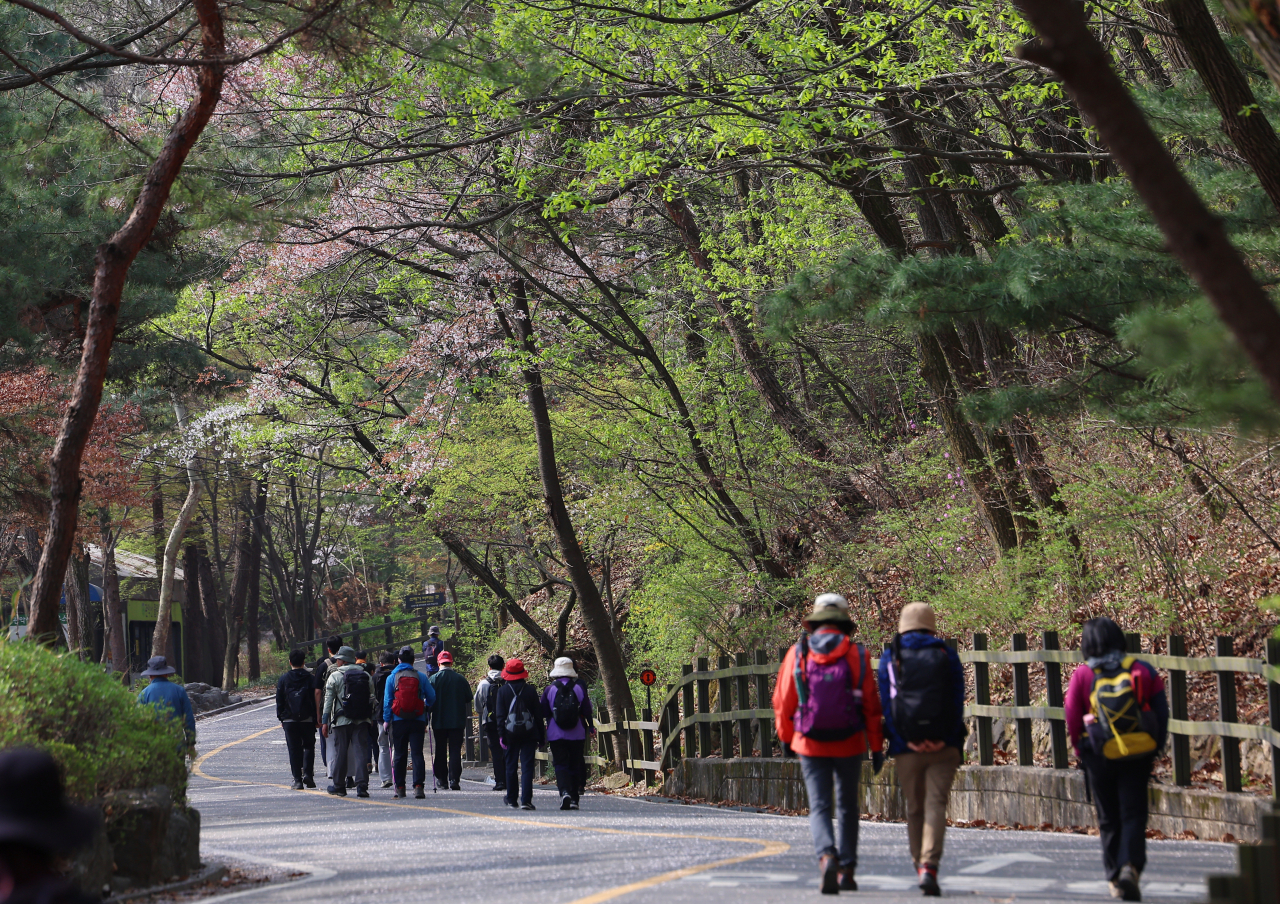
[{"x": 830, "y": 700}]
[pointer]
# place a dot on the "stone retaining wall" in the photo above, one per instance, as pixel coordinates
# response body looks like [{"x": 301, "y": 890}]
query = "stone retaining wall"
[{"x": 1004, "y": 795}]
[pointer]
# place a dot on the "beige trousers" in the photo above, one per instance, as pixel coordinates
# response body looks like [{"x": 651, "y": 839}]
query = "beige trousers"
[{"x": 926, "y": 784}]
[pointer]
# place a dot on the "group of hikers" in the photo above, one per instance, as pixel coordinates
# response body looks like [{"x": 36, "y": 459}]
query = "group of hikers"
[
  {"x": 830, "y": 710},
  {"x": 376, "y": 717},
  {"x": 833, "y": 713}
]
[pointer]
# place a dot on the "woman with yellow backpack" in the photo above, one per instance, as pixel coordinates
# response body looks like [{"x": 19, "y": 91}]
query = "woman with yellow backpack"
[{"x": 1118, "y": 718}]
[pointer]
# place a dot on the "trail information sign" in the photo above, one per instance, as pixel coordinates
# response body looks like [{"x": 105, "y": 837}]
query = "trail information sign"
[
  {"x": 648, "y": 677},
  {"x": 424, "y": 600}
]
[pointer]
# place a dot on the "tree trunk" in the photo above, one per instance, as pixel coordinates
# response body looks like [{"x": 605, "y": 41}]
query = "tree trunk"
[
  {"x": 114, "y": 643},
  {"x": 1193, "y": 233},
  {"x": 1175, "y": 53},
  {"x": 111, "y": 267},
  {"x": 506, "y": 601},
  {"x": 71, "y": 593},
  {"x": 164, "y": 609},
  {"x": 1260, "y": 22},
  {"x": 255, "y": 578},
  {"x": 239, "y": 595},
  {"x": 215, "y": 638},
  {"x": 1242, "y": 119},
  {"x": 608, "y": 654},
  {"x": 193, "y": 624}
]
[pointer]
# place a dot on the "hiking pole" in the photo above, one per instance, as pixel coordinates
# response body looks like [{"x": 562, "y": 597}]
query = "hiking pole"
[{"x": 431, "y": 749}]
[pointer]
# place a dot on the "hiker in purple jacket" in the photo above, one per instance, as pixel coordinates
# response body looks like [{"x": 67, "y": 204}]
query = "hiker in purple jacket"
[{"x": 567, "y": 709}]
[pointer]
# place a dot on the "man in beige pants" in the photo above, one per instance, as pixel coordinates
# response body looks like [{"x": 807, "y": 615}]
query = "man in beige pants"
[{"x": 922, "y": 695}]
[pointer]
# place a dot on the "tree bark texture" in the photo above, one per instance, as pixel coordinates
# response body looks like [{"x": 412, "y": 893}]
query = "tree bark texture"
[
  {"x": 214, "y": 637},
  {"x": 1194, "y": 234},
  {"x": 1175, "y": 52},
  {"x": 114, "y": 643},
  {"x": 760, "y": 370},
  {"x": 239, "y": 595},
  {"x": 1242, "y": 119},
  {"x": 111, "y": 267},
  {"x": 608, "y": 654},
  {"x": 196, "y": 662}
]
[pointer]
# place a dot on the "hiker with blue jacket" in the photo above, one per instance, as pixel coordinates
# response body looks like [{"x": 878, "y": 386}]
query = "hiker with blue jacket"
[
  {"x": 827, "y": 711},
  {"x": 521, "y": 732},
  {"x": 406, "y": 700},
  {"x": 169, "y": 698},
  {"x": 567, "y": 711},
  {"x": 922, "y": 696}
]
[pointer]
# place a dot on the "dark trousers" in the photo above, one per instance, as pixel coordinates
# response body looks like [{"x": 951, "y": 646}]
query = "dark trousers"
[
  {"x": 301, "y": 740},
  {"x": 499, "y": 757},
  {"x": 448, "y": 760},
  {"x": 520, "y": 769},
  {"x": 1120, "y": 797},
  {"x": 324, "y": 754},
  {"x": 407, "y": 736},
  {"x": 350, "y": 753},
  {"x": 571, "y": 776}
]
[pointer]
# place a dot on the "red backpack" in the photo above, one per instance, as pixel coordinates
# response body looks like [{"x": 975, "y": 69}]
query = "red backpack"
[{"x": 406, "y": 703}]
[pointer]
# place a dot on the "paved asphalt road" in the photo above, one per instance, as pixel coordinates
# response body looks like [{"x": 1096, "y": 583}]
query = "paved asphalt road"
[{"x": 464, "y": 846}]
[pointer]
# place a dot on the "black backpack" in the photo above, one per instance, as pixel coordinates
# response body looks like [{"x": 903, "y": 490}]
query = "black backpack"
[
  {"x": 919, "y": 691},
  {"x": 491, "y": 702},
  {"x": 565, "y": 708},
  {"x": 300, "y": 701},
  {"x": 519, "y": 722},
  {"x": 354, "y": 702}
]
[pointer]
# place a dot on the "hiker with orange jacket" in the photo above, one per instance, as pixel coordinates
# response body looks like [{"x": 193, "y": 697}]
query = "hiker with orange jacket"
[{"x": 827, "y": 711}]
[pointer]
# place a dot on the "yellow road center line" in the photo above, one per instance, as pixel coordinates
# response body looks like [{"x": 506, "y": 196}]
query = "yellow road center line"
[{"x": 767, "y": 848}]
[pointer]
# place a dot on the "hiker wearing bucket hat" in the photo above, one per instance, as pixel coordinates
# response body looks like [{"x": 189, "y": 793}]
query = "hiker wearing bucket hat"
[
  {"x": 567, "y": 711},
  {"x": 168, "y": 697},
  {"x": 348, "y": 714},
  {"x": 922, "y": 694},
  {"x": 36, "y": 824},
  {"x": 827, "y": 711}
]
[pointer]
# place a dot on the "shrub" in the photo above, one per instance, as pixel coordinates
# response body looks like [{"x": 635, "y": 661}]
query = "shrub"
[{"x": 93, "y": 727}]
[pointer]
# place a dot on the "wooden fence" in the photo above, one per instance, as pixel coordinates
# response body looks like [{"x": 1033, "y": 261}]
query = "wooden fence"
[
  {"x": 741, "y": 721},
  {"x": 384, "y": 630}
]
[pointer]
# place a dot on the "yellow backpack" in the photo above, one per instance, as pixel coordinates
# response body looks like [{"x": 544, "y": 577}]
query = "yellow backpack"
[{"x": 1123, "y": 727}]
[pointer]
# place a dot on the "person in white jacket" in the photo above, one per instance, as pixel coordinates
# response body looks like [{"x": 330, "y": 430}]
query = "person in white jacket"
[{"x": 484, "y": 701}]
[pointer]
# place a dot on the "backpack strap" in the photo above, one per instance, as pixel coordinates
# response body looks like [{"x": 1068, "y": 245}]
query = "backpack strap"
[{"x": 798, "y": 664}]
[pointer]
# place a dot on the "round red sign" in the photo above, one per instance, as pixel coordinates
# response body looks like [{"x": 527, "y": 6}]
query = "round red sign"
[{"x": 648, "y": 677}]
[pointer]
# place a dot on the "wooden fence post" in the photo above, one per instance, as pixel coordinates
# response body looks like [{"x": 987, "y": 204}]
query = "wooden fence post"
[
  {"x": 1178, "y": 709},
  {"x": 1053, "y": 685},
  {"x": 605, "y": 739},
  {"x": 355, "y": 635},
  {"x": 723, "y": 705},
  {"x": 635, "y": 747},
  {"x": 1227, "y": 713},
  {"x": 386, "y": 631},
  {"x": 646, "y": 739},
  {"x": 468, "y": 741},
  {"x": 690, "y": 733},
  {"x": 704, "y": 706},
  {"x": 484, "y": 746},
  {"x": 982, "y": 695},
  {"x": 671, "y": 717},
  {"x": 764, "y": 701},
  {"x": 1273, "y": 705},
  {"x": 1022, "y": 697},
  {"x": 744, "y": 702}
]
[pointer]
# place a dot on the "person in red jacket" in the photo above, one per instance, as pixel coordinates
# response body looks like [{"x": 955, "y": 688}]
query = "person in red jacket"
[{"x": 827, "y": 712}]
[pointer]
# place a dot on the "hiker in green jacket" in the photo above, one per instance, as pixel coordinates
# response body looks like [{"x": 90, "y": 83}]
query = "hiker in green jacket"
[
  {"x": 453, "y": 708},
  {"x": 348, "y": 713}
]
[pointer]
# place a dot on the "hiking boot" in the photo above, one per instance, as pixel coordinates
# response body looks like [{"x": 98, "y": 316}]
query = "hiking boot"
[
  {"x": 296, "y": 786},
  {"x": 528, "y": 806},
  {"x": 829, "y": 870},
  {"x": 419, "y": 792},
  {"x": 847, "y": 882},
  {"x": 337, "y": 792},
  {"x": 566, "y": 802},
  {"x": 308, "y": 783},
  {"x": 500, "y": 787},
  {"x": 1114, "y": 888},
  {"x": 362, "y": 792},
  {"x": 455, "y": 787},
  {"x": 1127, "y": 881},
  {"x": 929, "y": 882},
  {"x": 386, "y": 784},
  {"x": 399, "y": 792}
]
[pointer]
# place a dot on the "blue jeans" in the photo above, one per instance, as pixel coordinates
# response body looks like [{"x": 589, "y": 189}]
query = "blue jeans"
[
  {"x": 520, "y": 759},
  {"x": 819, "y": 773}
]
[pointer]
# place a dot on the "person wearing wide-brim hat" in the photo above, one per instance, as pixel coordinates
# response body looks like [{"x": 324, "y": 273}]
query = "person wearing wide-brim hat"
[
  {"x": 167, "y": 696},
  {"x": 36, "y": 824},
  {"x": 521, "y": 730},
  {"x": 827, "y": 711},
  {"x": 567, "y": 711},
  {"x": 351, "y": 733}
]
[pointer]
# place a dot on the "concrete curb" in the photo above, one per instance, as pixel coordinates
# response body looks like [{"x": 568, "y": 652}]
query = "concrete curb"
[
  {"x": 243, "y": 704},
  {"x": 211, "y": 873}
]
